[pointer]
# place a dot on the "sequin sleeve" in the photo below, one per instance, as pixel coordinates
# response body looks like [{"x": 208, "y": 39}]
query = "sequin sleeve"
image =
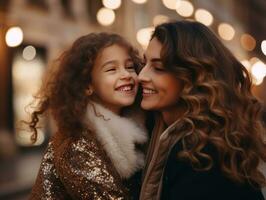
[
  {"x": 86, "y": 173},
  {"x": 48, "y": 184}
]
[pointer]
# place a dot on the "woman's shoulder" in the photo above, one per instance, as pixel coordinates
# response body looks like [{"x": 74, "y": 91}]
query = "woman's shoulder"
[{"x": 182, "y": 175}]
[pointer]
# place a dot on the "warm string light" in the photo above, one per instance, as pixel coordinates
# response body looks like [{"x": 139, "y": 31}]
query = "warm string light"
[
  {"x": 112, "y": 4},
  {"x": 106, "y": 16},
  {"x": 171, "y": 4},
  {"x": 226, "y": 31},
  {"x": 263, "y": 47},
  {"x": 248, "y": 42},
  {"x": 258, "y": 71},
  {"x": 144, "y": 35},
  {"x": 14, "y": 36},
  {"x": 204, "y": 16},
  {"x": 139, "y": 1},
  {"x": 159, "y": 19},
  {"x": 246, "y": 64},
  {"x": 29, "y": 53},
  {"x": 256, "y": 68},
  {"x": 184, "y": 8}
]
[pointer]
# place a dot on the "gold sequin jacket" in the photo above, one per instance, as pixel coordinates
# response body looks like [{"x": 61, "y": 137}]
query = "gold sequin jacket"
[{"x": 102, "y": 165}]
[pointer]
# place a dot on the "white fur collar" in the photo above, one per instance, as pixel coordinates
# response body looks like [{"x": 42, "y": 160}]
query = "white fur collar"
[{"x": 118, "y": 136}]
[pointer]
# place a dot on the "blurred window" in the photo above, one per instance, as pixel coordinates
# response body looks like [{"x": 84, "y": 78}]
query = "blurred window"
[
  {"x": 39, "y": 4},
  {"x": 28, "y": 67}
]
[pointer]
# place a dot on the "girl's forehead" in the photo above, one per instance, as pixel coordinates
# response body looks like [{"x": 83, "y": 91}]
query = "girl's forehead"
[{"x": 111, "y": 53}]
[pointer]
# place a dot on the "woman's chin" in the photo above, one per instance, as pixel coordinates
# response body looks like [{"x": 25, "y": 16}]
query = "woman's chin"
[{"x": 147, "y": 106}]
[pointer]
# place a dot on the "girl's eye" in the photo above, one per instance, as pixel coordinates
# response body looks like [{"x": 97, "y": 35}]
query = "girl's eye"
[
  {"x": 110, "y": 69},
  {"x": 130, "y": 67}
]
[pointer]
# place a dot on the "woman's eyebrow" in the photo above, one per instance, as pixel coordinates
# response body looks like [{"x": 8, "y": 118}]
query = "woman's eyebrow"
[
  {"x": 156, "y": 60},
  {"x": 129, "y": 60},
  {"x": 153, "y": 59}
]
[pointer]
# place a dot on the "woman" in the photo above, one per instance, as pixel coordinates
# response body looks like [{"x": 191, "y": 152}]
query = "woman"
[
  {"x": 95, "y": 153},
  {"x": 208, "y": 138}
]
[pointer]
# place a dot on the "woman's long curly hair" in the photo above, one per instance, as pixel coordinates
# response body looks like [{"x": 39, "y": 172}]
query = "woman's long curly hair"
[
  {"x": 220, "y": 109},
  {"x": 63, "y": 92}
]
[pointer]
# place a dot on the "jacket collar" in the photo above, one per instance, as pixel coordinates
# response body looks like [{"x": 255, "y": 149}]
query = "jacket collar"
[
  {"x": 162, "y": 141},
  {"x": 118, "y": 136}
]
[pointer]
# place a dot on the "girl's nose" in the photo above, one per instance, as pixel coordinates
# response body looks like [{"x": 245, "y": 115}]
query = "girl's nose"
[{"x": 125, "y": 74}]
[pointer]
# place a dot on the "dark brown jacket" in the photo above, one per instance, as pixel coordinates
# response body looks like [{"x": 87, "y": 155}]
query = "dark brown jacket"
[{"x": 167, "y": 178}]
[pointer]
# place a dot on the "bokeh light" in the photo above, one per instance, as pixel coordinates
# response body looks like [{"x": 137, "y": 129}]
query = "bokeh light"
[
  {"x": 247, "y": 42},
  {"x": 112, "y": 4},
  {"x": 159, "y": 19},
  {"x": 171, "y": 4},
  {"x": 144, "y": 36},
  {"x": 226, "y": 31},
  {"x": 253, "y": 60},
  {"x": 106, "y": 16},
  {"x": 263, "y": 47},
  {"x": 246, "y": 64},
  {"x": 204, "y": 16},
  {"x": 14, "y": 36},
  {"x": 139, "y": 1},
  {"x": 29, "y": 53},
  {"x": 184, "y": 8},
  {"x": 258, "y": 71}
]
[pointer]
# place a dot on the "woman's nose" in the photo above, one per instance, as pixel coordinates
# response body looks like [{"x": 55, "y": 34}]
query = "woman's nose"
[{"x": 143, "y": 75}]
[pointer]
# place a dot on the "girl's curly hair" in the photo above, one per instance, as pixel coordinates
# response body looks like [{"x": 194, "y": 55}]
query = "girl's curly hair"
[
  {"x": 63, "y": 90},
  {"x": 220, "y": 109}
]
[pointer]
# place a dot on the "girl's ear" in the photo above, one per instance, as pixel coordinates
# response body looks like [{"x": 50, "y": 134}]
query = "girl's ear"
[{"x": 89, "y": 90}]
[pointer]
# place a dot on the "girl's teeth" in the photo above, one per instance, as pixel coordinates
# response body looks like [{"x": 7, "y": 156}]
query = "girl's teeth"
[
  {"x": 126, "y": 88},
  {"x": 148, "y": 91}
]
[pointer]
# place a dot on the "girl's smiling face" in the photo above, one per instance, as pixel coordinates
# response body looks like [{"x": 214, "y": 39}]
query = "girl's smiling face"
[{"x": 114, "y": 78}]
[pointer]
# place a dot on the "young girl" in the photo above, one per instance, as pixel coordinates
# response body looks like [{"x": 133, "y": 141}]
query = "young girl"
[
  {"x": 95, "y": 152},
  {"x": 209, "y": 137}
]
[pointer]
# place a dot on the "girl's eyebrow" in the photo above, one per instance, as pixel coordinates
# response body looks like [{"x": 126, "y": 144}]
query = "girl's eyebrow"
[
  {"x": 108, "y": 62},
  {"x": 115, "y": 62}
]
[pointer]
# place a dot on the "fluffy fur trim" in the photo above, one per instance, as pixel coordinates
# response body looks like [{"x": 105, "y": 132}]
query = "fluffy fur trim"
[{"x": 118, "y": 136}]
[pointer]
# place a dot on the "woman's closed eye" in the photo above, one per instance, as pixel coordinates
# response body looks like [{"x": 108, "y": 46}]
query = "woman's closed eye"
[
  {"x": 158, "y": 68},
  {"x": 143, "y": 63}
]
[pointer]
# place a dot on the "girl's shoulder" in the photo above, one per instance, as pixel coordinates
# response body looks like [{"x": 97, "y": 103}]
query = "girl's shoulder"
[
  {"x": 83, "y": 168},
  {"x": 79, "y": 145}
]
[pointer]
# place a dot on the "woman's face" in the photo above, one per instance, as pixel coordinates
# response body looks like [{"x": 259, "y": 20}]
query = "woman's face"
[
  {"x": 161, "y": 89},
  {"x": 114, "y": 79}
]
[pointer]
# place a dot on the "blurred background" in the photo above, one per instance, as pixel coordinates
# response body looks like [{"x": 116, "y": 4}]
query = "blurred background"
[{"x": 33, "y": 33}]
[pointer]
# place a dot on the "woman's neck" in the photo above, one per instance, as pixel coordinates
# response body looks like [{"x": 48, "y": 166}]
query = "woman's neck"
[{"x": 172, "y": 114}]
